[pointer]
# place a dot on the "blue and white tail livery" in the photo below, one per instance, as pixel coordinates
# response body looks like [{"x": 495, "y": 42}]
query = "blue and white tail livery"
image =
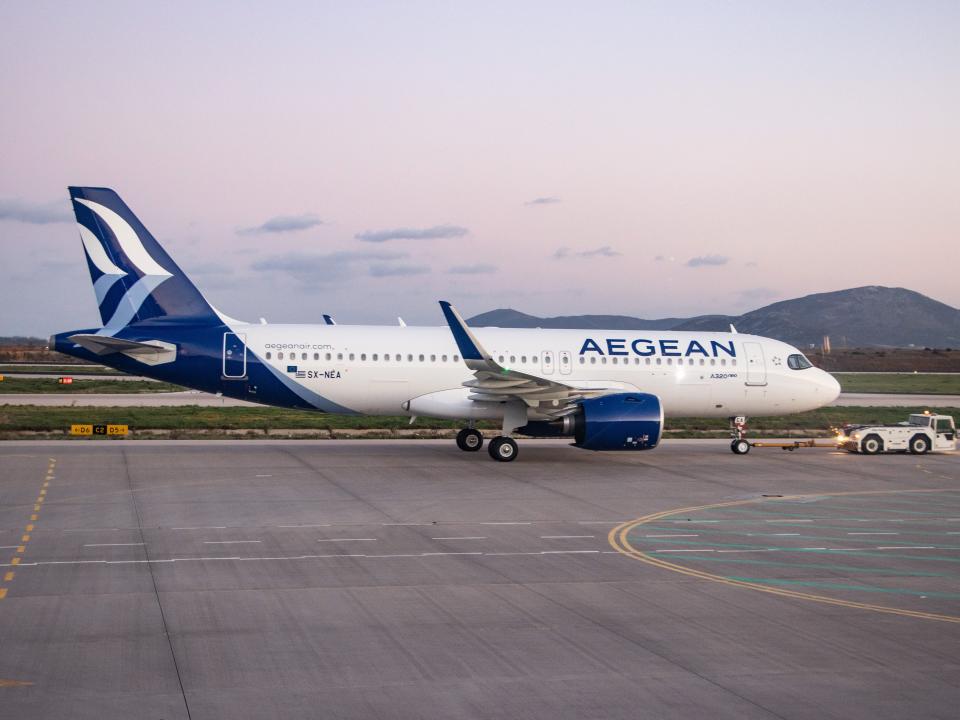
[
  {"x": 134, "y": 279},
  {"x": 607, "y": 390}
]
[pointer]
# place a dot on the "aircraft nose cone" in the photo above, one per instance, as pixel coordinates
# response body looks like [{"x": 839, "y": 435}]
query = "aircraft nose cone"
[{"x": 831, "y": 386}]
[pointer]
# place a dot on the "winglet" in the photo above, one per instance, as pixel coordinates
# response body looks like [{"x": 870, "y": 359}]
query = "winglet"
[
  {"x": 329, "y": 320},
  {"x": 470, "y": 349}
]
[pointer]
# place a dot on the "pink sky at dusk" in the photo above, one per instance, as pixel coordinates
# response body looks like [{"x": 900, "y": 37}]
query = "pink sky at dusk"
[{"x": 791, "y": 147}]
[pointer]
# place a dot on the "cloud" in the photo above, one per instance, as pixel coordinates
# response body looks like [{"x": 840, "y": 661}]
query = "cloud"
[
  {"x": 322, "y": 268},
  {"x": 35, "y": 213},
  {"x": 478, "y": 269},
  {"x": 388, "y": 270},
  {"x": 543, "y": 201},
  {"x": 603, "y": 251},
  {"x": 436, "y": 232},
  {"x": 283, "y": 224},
  {"x": 707, "y": 261}
]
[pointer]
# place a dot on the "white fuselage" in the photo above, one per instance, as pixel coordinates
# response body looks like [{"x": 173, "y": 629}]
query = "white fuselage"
[{"x": 417, "y": 370}]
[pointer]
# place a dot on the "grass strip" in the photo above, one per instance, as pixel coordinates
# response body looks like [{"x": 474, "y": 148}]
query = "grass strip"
[
  {"x": 908, "y": 383},
  {"x": 12, "y": 385}
]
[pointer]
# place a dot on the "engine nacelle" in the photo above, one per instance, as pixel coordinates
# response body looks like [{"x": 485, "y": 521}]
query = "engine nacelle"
[{"x": 624, "y": 421}]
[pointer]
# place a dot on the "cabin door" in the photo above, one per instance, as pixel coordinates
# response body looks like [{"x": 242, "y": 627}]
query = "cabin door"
[{"x": 756, "y": 367}]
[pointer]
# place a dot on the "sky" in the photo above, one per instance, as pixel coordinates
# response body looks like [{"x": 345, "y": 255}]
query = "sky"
[{"x": 366, "y": 159}]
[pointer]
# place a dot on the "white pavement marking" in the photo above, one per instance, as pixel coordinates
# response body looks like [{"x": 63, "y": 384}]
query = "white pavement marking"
[
  {"x": 670, "y": 536},
  {"x": 685, "y": 522},
  {"x": 781, "y": 534},
  {"x": 110, "y": 544},
  {"x": 788, "y": 521},
  {"x": 506, "y": 523},
  {"x": 903, "y": 547},
  {"x": 744, "y": 551},
  {"x": 684, "y": 550},
  {"x": 346, "y": 539},
  {"x": 872, "y": 533},
  {"x": 202, "y": 527},
  {"x": 405, "y": 524},
  {"x": 601, "y": 522},
  {"x": 471, "y": 537},
  {"x": 229, "y": 542},
  {"x": 305, "y": 526},
  {"x": 264, "y": 476},
  {"x": 564, "y": 537}
]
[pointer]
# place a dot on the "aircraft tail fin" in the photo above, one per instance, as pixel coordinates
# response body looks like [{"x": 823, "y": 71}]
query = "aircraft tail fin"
[{"x": 133, "y": 277}]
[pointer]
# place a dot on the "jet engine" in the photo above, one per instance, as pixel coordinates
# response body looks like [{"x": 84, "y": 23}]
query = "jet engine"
[{"x": 622, "y": 421}]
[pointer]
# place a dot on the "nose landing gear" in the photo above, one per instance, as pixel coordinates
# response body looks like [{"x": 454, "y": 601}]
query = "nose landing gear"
[{"x": 739, "y": 444}]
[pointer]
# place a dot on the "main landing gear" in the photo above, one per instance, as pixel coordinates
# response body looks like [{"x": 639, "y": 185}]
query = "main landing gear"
[
  {"x": 739, "y": 444},
  {"x": 469, "y": 440},
  {"x": 502, "y": 448}
]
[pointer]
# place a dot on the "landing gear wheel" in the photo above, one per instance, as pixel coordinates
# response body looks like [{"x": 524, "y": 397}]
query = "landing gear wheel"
[
  {"x": 871, "y": 445},
  {"x": 503, "y": 449},
  {"x": 469, "y": 440},
  {"x": 919, "y": 445},
  {"x": 740, "y": 447}
]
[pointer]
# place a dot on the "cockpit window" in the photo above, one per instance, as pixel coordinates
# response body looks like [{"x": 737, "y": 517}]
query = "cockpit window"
[{"x": 798, "y": 362}]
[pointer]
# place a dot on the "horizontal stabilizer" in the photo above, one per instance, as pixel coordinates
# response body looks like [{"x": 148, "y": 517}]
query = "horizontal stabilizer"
[{"x": 105, "y": 345}]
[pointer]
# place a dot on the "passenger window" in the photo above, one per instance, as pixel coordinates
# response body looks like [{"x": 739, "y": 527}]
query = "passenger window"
[
  {"x": 733, "y": 362},
  {"x": 444, "y": 358},
  {"x": 351, "y": 357},
  {"x": 279, "y": 356},
  {"x": 702, "y": 361},
  {"x": 713, "y": 361},
  {"x": 339, "y": 356},
  {"x": 648, "y": 361},
  {"x": 433, "y": 358},
  {"x": 409, "y": 358},
  {"x": 456, "y": 358},
  {"x": 564, "y": 360},
  {"x": 363, "y": 356},
  {"x": 659, "y": 361},
  {"x": 398, "y": 357},
  {"x": 329, "y": 357},
  {"x": 582, "y": 361},
  {"x": 723, "y": 361},
  {"x": 603, "y": 360},
  {"x": 513, "y": 359},
  {"x": 593, "y": 361},
  {"x": 421, "y": 358},
  {"x": 375, "y": 357},
  {"x": 303, "y": 356},
  {"x": 669, "y": 361},
  {"x": 523, "y": 359}
]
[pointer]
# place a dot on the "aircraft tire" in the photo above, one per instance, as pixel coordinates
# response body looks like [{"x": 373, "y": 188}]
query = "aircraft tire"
[
  {"x": 740, "y": 447},
  {"x": 469, "y": 440},
  {"x": 503, "y": 449}
]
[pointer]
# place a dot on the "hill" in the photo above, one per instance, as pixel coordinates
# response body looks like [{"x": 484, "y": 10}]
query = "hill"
[{"x": 871, "y": 316}]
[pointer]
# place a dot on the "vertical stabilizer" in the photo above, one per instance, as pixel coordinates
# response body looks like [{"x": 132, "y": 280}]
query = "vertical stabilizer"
[{"x": 134, "y": 279}]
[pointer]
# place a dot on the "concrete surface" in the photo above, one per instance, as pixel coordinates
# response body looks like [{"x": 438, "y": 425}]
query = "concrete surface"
[{"x": 405, "y": 579}]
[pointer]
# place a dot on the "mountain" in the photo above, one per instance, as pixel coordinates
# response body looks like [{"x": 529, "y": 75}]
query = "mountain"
[
  {"x": 858, "y": 317},
  {"x": 517, "y": 319}
]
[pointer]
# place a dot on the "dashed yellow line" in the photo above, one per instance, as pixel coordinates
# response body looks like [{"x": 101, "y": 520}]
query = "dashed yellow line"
[
  {"x": 25, "y": 538},
  {"x": 618, "y": 539}
]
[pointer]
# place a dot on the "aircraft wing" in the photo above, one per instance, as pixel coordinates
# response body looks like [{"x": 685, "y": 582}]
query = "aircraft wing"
[{"x": 493, "y": 382}]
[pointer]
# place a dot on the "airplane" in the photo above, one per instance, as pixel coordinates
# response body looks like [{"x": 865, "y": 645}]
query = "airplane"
[{"x": 607, "y": 390}]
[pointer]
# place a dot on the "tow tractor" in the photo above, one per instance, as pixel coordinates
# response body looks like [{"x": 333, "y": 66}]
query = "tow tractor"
[{"x": 922, "y": 433}]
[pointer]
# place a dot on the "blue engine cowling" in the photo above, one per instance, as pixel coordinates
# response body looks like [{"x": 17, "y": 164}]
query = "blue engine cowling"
[{"x": 624, "y": 421}]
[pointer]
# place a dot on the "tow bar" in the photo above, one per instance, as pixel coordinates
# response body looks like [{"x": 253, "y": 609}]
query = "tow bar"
[{"x": 791, "y": 446}]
